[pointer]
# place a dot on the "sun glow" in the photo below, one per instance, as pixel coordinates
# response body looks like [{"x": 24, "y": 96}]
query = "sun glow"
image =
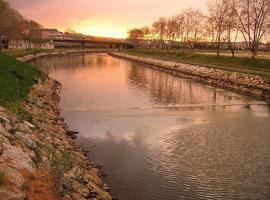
[{"x": 101, "y": 28}]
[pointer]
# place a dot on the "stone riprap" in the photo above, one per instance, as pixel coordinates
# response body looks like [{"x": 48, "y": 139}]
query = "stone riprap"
[
  {"x": 247, "y": 83},
  {"x": 31, "y": 57},
  {"x": 33, "y": 150}
]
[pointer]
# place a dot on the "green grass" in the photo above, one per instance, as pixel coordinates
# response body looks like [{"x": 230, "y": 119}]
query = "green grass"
[
  {"x": 16, "y": 79},
  {"x": 23, "y": 52},
  {"x": 61, "y": 162},
  {"x": 18, "y": 109},
  {"x": 238, "y": 53},
  {"x": 239, "y": 64}
]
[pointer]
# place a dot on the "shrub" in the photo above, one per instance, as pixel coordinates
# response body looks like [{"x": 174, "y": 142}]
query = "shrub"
[
  {"x": 61, "y": 162},
  {"x": 18, "y": 109}
]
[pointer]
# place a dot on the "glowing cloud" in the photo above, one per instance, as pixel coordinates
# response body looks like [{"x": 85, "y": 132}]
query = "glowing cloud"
[
  {"x": 100, "y": 27},
  {"x": 101, "y": 17}
]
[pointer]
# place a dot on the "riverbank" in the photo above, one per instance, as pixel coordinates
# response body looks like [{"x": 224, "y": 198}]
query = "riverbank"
[
  {"x": 239, "y": 64},
  {"x": 28, "y": 55},
  {"x": 39, "y": 159},
  {"x": 250, "y": 84}
]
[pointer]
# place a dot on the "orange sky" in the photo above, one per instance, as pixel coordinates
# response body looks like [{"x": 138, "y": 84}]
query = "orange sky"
[{"x": 101, "y": 17}]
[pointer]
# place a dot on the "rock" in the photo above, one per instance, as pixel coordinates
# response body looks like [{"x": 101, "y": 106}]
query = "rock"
[
  {"x": 93, "y": 194},
  {"x": 80, "y": 188},
  {"x": 26, "y": 139},
  {"x": 17, "y": 159},
  {"x": 103, "y": 174},
  {"x": 7, "y": 194},
  {"x": 99, "y": 166},
  {"x": 76, "y": 196},
  {"x": 11, "y": 187},
  {"x": 3, "y": 139},
  {"x": 29, "y": 124},
  {"x": 66, "y": 197},
  {"x": 7, "y": 126},
  {"x": 4, "y": 119},
  {"x": 5, "y": 133},
  {"x": 107, "y": 189},
  {"x": 23, "y": 128},
  {"x": 74, "y": 173},
  {"x": 73, "y": 137},
  {"x": 86, "y": 177},
  {"x": 13, "y": 176},
  {"x": 70, "y": 133},
  {"x": 2, "y": 109},
  {"x": 19, "y": 150}
]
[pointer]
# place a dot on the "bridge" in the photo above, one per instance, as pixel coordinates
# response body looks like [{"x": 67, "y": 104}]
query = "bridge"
[{"x": 86, "y": 43}]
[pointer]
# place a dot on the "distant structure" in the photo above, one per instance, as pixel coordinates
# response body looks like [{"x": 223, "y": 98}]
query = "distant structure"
[
  {"x": 3, "y": 43},
  {"x": 43, "y": 34},
  {"x": 47, "y": 38}
]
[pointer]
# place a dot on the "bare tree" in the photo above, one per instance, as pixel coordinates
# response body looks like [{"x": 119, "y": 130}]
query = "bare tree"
[
  {"x": 231, "y": 27},
  {"x": 3, "y": 12},
  {"x": 197, "y": 19},
  {"x": 12, "y": 24},
  {"x": 146, "y": 32},
  {"x": 180, "y": 27},
  {"x": 218, "y": 10},
  {"x": 254, "y": 17},
  {"x": 187, "y": 23},
  {"x": 159, "y": 27},
  {"x": 135, "y": 34},
  {"x": 209, "y": 29},
  {"x": 171, "y": 30},
  {"x": 159, "y": 30}
]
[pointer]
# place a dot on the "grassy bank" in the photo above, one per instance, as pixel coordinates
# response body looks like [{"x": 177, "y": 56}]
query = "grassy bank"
[
  {"x": 16, "y": 79},
  {"x": 23, "y": 52},
  {"x": 239, "y": 64}
]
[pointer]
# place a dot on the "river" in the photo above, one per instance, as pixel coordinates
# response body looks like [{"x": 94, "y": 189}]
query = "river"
[{"x": 161, "y": 137}]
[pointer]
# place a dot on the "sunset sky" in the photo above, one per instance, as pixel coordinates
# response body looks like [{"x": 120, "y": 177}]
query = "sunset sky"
[{"x": 101, "y": 17}]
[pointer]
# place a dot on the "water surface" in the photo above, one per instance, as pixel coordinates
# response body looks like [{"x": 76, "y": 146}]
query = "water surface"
[{"x": 162, "y": 137}]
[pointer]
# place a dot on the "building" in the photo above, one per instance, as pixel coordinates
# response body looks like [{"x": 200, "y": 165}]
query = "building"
[
  {"x": 3, "y": 43},
  {"x": 43, "y": 33}
]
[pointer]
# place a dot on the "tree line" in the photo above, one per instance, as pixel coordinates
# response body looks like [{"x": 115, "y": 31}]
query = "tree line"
[
  {"x": 13, "y": 25},
  {"x": 225, "y": 22}
]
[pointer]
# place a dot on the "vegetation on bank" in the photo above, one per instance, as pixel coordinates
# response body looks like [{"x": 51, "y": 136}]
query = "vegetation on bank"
[
  {"x": 239, "y": 64},
  {"x": 24, "y": 52},
  {"x": 13, "y": 25},
  {"x": 61, "y": 162},
  {"x": 229, "y": 24},
  {"x": 16, "y": 80}
]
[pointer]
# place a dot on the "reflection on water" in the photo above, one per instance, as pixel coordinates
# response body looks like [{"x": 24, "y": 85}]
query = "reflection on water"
[{"x": 160, "y": 136}]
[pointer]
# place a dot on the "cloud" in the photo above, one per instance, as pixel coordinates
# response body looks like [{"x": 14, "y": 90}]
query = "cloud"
[
  {"x": 22, "y": 4},
  {"x": 100, "y": 16}
]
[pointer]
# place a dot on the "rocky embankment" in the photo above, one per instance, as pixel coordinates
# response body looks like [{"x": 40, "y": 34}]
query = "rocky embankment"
[
  {"x": 247, "y": 83},
  {"x": 40, "y": 55},
  {"x": 38, "y": 158},
  {"x": 30, "y": 57}
]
